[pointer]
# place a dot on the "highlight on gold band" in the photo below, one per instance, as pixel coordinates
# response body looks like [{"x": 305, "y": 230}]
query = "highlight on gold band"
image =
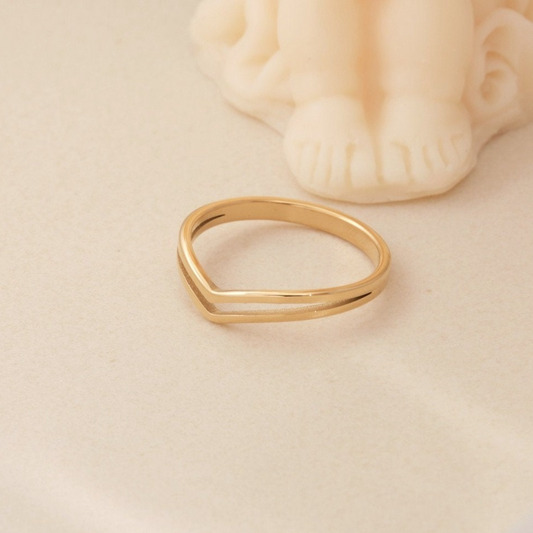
[{"x": 283, "y": 306}]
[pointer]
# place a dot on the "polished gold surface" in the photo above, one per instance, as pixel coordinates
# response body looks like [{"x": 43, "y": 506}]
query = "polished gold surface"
[{"x": 287, "y": 305}]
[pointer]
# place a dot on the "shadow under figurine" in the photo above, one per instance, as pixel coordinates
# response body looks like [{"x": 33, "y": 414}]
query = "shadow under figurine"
[{"x": 379, "y": 100}]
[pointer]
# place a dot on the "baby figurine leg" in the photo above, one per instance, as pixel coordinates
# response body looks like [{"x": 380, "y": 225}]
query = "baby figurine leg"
[
  {"x": 425, "y": 49},
  {"x": 327, "y": 141}
]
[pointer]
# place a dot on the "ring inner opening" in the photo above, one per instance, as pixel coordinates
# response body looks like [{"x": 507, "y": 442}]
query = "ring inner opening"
[{"x": 262, "y": 255}]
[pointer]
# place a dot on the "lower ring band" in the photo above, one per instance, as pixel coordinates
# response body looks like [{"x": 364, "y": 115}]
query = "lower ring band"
[{"x": 304, "y": 305}]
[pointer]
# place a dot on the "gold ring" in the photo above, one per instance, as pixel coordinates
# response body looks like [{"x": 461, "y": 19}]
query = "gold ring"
[{"x": 303, "y": 305}]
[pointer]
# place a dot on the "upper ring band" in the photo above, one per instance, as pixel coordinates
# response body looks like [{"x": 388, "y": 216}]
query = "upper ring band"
[{"x": 313, "y": 303}]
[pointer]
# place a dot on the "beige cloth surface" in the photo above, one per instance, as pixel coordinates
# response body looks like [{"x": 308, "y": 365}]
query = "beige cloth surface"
[{"x": 122, "y": 410}]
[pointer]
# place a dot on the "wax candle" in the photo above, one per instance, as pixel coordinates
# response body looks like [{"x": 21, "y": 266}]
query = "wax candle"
[{"x": 377, "y": 100}]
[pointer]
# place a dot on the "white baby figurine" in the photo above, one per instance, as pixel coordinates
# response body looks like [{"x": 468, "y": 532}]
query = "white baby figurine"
[{"x": 379, "y": 100}]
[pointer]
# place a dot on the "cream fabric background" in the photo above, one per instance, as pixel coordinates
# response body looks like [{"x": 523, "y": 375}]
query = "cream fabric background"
[{"x": 121, "y": 410}]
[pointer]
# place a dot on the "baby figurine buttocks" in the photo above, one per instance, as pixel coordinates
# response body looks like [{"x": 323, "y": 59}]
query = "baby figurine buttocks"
[{"x": 379, "y": 100}]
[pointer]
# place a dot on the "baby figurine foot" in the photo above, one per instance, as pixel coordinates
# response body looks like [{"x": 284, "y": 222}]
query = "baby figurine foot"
[
  {"x": 425, "y": 146},
  {"x": 330, "y": 150}
]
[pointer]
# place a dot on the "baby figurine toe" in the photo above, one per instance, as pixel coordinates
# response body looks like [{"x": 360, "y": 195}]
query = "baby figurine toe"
[
  {"x": 330, "y": 150},
  {"x": 425, "y": 145}
]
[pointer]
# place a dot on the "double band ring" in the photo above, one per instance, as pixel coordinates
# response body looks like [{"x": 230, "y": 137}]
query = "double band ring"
[{"x": 286, "y": 305}]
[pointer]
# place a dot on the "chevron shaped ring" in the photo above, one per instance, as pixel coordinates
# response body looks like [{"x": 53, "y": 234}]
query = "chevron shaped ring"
[{"x": 279, "y": 306}]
